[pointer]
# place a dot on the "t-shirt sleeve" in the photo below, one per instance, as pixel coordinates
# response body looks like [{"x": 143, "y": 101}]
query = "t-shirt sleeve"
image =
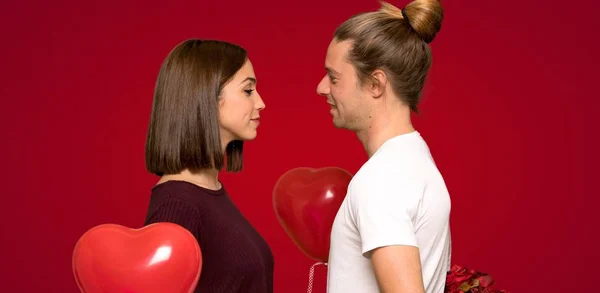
[
  {"x": 176, "y": 211},
  {"x": 385, "y": 208}
]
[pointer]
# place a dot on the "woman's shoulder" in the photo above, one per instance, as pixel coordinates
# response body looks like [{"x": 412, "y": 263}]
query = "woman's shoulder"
[
  {"x": 184, "y": 190},
  {"x": 173, "y": 202},
  {"x": 183, "y": 194}
]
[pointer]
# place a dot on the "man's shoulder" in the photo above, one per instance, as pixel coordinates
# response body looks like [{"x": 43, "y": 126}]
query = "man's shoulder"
[
  {"x": 385, "y": 179},
  {"x": 389, "y": 174},
  {"x": 388, "y": 167}
]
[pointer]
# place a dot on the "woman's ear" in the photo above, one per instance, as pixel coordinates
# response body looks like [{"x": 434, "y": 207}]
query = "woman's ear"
[{"x": 220, "y": 100}]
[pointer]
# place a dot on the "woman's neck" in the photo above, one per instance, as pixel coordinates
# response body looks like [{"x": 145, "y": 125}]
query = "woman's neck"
[{"x": 208, "y": 178}]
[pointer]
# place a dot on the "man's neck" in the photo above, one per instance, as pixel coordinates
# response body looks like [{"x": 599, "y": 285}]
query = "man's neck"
[{"x": 388, "y": 123}]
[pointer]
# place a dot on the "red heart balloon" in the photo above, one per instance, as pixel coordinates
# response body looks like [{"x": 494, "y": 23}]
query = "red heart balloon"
[
  {"x": 306, "y": 201},
  {"x": 161, "y": 257}
]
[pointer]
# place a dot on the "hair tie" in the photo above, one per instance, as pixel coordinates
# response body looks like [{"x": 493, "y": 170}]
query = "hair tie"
[{"x": 405, "y": 17}]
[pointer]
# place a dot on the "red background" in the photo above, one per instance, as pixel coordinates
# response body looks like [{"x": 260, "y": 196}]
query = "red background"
[{"x": 508, "y": 116}]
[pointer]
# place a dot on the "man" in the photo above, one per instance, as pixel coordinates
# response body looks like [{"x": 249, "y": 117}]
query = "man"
[{"x": 391, "y": 233}]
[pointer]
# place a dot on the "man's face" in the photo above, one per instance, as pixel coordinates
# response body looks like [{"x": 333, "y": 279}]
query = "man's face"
[{"x": 342, "y": 89}]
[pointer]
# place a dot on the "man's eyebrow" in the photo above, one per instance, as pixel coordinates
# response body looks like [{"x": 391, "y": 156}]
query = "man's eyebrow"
[{"x": 331, "y": 71}]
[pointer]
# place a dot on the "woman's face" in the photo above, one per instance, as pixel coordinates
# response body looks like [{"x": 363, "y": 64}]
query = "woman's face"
[{"x": 239, "y": 106}]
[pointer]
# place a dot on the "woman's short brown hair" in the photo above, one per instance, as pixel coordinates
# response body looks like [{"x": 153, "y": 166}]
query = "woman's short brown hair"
[{"x": 183, "y": 132}]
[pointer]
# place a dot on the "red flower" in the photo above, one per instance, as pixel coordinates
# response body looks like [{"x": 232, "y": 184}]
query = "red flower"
[{"x": 463, "y": 280}]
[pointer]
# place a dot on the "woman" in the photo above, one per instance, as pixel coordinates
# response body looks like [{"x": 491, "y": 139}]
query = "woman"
[{"x": 205, "y": 105}]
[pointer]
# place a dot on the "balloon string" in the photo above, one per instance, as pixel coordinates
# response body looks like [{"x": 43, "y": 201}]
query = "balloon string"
[{"x": 311, "y": 275}]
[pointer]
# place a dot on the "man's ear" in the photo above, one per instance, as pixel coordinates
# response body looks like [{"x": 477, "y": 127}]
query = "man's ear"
[{"x": 378, "y": 83}]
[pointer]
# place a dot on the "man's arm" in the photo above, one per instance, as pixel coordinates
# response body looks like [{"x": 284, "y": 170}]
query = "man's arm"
[
  {"x": 398, "y": 269},
  {"x": 385, "y": 220}
]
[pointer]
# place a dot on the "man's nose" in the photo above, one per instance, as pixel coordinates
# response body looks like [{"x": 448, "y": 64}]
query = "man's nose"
[{"x": 323, "y": 87}]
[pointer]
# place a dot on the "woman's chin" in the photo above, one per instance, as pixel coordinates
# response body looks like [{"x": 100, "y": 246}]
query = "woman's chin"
[{"x": 249, "y": 135}]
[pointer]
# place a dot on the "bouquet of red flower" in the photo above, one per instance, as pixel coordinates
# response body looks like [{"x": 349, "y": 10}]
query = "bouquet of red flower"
[{"x": 463, "y": 280}]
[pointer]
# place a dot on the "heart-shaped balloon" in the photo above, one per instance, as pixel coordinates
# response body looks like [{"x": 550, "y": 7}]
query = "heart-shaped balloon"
[
  {"x": 160, "y": 257},
  {"x": 306, "y": 201}
]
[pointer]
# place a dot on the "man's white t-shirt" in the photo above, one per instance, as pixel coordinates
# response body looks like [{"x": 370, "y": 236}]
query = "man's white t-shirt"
[{"x": 398, "y": 197}]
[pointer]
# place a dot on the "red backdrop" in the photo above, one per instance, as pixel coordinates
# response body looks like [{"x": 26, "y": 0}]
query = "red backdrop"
[{"x": 508, "y": 117}]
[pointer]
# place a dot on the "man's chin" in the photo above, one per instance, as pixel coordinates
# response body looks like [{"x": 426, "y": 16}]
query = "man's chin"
[{"x": 338, "y": 124}]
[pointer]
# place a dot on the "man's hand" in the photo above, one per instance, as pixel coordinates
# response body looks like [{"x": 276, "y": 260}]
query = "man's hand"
[{"x": 398, "y": 269}]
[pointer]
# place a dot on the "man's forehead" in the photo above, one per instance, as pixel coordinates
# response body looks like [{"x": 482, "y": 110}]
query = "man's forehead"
[
  {"x": 336, "y": 61},
  {"x": 336, "y": 55}
]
